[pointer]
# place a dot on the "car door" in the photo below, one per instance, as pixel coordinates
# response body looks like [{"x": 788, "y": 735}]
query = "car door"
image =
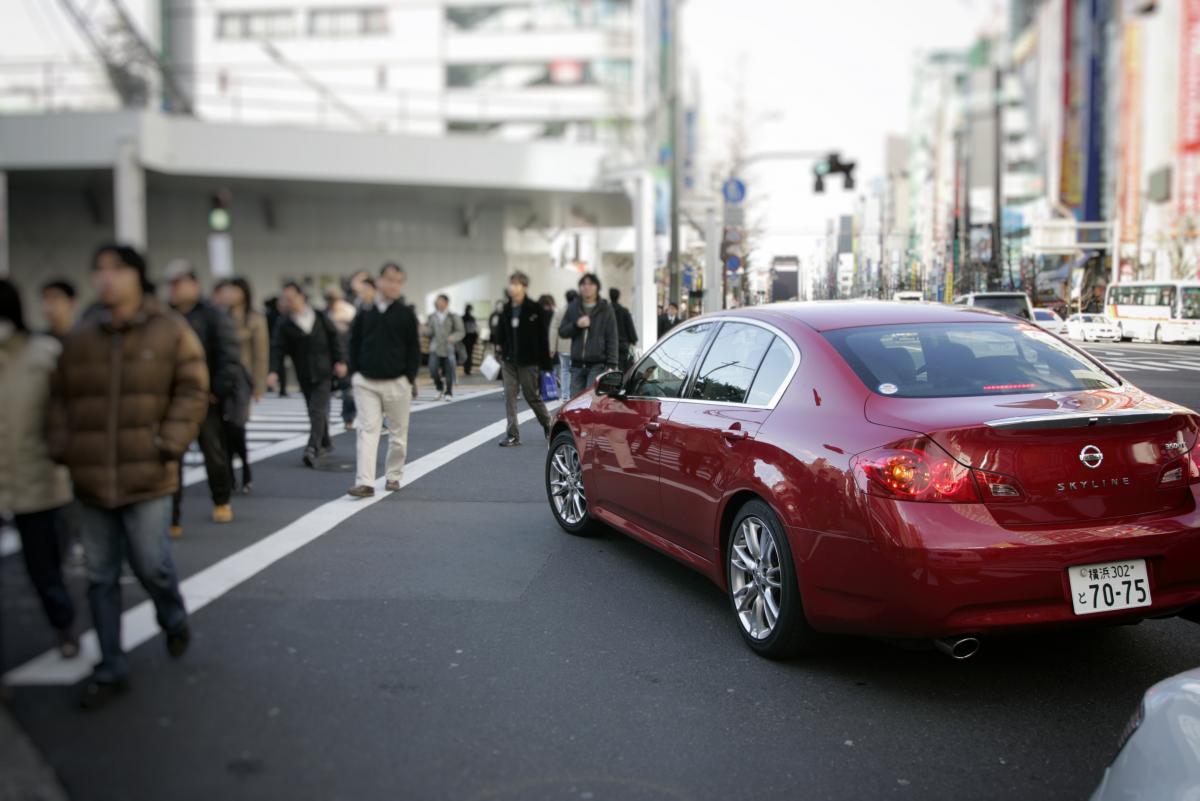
[
  {"x": 710, "y": 432},
  {"x": 626, "y": 430}
]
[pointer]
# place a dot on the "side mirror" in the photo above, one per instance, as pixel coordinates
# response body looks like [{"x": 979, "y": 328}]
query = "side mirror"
[{"x": 610, "y": 383}]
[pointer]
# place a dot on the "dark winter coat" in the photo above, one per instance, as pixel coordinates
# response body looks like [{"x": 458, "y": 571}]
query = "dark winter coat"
[
  {"x": 222, "y": 348},
  {"x": 528, "y": 343},
  {"x": 312, "y": 354},
  {"x": 125, "y": 402},
  {"x": 596, "y": 344}
]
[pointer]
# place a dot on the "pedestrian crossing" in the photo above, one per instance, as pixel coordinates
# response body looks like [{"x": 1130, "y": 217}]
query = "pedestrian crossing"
[
  {"x": 1147, "y": 361},
  {"x": 277, "y": 425}
]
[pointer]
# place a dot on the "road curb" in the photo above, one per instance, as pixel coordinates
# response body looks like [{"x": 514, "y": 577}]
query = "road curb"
[{"x": 24, "y": 774}]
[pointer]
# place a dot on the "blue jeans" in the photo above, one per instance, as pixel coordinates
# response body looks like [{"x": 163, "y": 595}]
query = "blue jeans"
[
  {"x": 584, "y": 376},
  {"x": 441, "y": 369},
  {"x": 564, "y": 375},
  {"x": 138, "y": 531}
]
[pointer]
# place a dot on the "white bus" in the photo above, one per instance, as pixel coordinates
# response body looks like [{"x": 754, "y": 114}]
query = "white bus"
[{"x": 1163, "y": 311}]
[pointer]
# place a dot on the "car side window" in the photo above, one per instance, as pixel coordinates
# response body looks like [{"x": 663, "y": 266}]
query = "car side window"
[
  {"x": 729, "y": 367},
  {"x": 772, "y": 373},
  {"x": 664, "y": 371}
]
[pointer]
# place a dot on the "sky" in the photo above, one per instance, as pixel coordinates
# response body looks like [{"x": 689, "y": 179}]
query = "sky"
[{"x": 814, "y": 75}]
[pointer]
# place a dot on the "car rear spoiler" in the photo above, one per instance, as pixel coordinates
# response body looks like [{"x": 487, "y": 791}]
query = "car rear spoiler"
[{"x": 1078, "y": 420}]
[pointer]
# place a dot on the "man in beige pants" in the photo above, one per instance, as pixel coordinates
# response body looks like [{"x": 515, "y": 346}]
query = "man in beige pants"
[{"x": 385, "y": 355}]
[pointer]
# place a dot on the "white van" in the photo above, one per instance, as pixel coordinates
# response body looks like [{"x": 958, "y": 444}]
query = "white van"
[{"x": 1015, "y": 303}]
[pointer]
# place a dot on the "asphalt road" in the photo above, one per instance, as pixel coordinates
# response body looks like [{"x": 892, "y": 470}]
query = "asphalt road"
[{"x": 449, "y": 642}]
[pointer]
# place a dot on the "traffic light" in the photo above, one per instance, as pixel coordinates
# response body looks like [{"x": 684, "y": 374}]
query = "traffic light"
[
  {"x": 832, "y": 164},
  {"x": 220, "y": 216}
]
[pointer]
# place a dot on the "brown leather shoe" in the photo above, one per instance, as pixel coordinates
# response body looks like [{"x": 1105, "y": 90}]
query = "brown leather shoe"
[
  {"x": 361, "y": 491},
  {"x": 392, "y": 486},
  {"x": 222, "y": 513},
  {"x": 176, "y": 531}
]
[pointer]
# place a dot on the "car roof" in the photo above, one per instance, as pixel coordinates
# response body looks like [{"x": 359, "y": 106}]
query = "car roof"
[
  {"x": 829, "y": 315},
  {"x": 996, "y": 295}
]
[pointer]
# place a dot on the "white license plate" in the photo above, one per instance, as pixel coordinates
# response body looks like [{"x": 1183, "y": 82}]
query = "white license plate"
[{"x": 1108, "y": 586}]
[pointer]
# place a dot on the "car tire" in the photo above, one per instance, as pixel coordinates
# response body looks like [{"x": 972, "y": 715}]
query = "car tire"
[
  {"x": 750, "y": 591},
  {"x": 564, "y": 487}
]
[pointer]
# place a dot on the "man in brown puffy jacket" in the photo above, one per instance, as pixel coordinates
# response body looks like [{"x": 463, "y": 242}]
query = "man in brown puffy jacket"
[{"x": 128, "y": 396}]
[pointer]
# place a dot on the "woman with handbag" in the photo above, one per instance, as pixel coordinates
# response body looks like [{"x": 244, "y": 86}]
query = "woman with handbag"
[{"x": 235, "y": 296}]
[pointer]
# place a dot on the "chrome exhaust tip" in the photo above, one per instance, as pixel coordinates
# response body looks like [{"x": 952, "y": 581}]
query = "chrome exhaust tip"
[{"x": 958, "y": 648}]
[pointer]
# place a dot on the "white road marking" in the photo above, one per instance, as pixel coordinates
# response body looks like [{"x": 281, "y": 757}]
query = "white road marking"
[
  {"x": 10, "y": 541},
  {"x": 193, "y": 461},
  {"x": 138, "y": 624}
]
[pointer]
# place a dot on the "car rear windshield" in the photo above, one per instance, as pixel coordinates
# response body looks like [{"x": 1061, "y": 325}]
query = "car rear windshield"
[
  {"x": 939, "y": 360},
  {"x": 1009, "y": 304}
]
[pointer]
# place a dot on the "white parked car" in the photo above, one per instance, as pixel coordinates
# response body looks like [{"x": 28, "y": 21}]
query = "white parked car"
[
  {"x": 1158, "y": 757},
  {"x": 1092, "y": 328},
  {"x": 1049, "y": 320}
]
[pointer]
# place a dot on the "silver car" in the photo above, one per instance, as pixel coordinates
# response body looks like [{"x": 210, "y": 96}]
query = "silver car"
[{"x": 1159, "y": 758}]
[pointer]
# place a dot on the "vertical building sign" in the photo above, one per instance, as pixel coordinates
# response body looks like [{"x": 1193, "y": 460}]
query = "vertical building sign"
[
  {"x": 1129, "y": 179},
  {"x": 1070, "y": 190},
  {"x": 1189, "y": 110}
]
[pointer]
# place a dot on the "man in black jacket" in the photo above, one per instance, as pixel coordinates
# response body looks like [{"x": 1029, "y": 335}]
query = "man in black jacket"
[
  {"x": 668, "y": 319},
  {"x": 222, "y": 351},
  {"x": 626, "y": 331},
  {"x": 308, "y": 338},
  {"x": 591, "y": 325},
  {"x": 385, "y": 355},
  {"x": 521, "y": 337}
]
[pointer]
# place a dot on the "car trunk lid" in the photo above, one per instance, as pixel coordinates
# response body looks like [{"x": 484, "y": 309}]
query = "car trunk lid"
[{"x": 1076, "y": 457}]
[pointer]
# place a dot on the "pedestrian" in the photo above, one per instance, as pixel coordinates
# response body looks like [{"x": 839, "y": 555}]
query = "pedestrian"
[
  {"x": 445, "y": 332},
  {"x": 523, "y": 343},
  {"x": 308, "y": 338},
  {"x": 234, "y": 295},
  {"x": 668, "y": 319},
  {"x": 363, "y": 287},
  {"x": 341, "y": 313},
  {"x": 385, "y": 356},
  {"x": 275, "y": 310},
  {"x": 495, "y": 322},
  {"x": 626, "y": 331},
  {"x": 222, "y": 353},
  {"x": 549, "y": 309},
  {"x": 562, "y": 345},
  {"x": 59, "y": 307},
  {"x": 128, "y": 396},
  {"x": 591, "y": 325},
  {"x": 470, "y": 337},
  {"x": 33, "y": 489}
]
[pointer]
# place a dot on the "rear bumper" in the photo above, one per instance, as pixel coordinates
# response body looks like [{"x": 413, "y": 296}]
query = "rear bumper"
[{"x": 936, "y": 570}]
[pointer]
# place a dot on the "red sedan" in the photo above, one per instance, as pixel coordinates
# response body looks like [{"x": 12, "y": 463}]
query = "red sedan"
[{"x": 891, "y": 470}]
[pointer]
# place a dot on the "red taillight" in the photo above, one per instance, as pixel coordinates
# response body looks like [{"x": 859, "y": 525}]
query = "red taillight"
[
  {"x": 914, "y": 470},
  {"x": 919, "y": 470}
]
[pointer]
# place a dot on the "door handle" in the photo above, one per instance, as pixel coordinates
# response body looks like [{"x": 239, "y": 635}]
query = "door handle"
[
  {"x": 735, "y": 434},
  {"x": 653, "y": 425}
]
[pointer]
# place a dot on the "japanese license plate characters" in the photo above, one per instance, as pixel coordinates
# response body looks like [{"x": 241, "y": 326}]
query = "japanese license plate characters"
[{"x": 1109, "y": 586}]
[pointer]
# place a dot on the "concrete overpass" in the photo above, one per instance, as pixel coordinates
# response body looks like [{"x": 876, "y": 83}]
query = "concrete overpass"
[{"x": 308, "y": 204}]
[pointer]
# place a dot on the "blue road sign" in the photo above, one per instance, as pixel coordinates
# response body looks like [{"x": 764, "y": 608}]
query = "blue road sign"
[
  {"x": 733, "y": 263},
  {"x": 734, "y": 190}
]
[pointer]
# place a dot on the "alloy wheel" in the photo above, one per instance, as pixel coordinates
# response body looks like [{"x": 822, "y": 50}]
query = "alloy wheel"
[
  {"x": 566, "y": 484},
  {"x": 755, "y": 577}
]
